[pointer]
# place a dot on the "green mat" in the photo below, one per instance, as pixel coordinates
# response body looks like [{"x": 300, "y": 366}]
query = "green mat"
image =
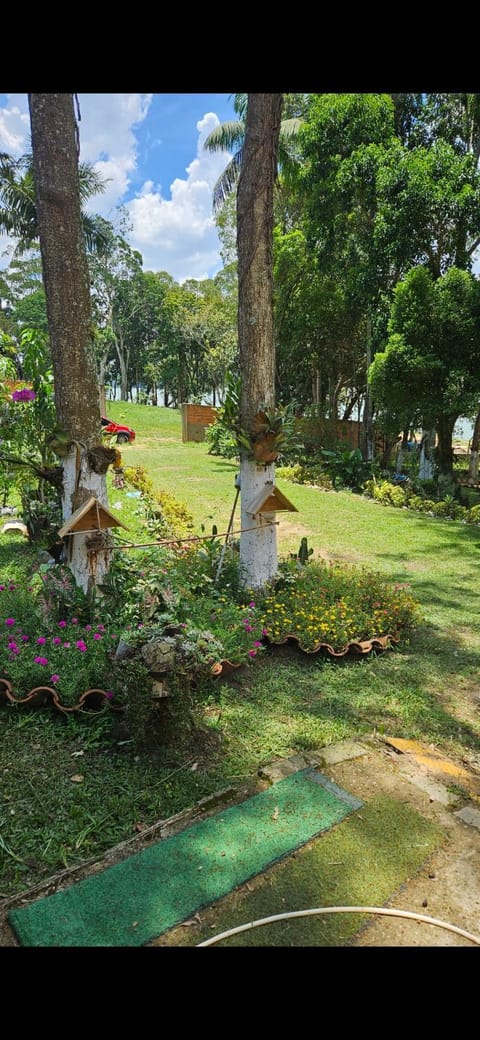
[{"x": 138, "y": 899}]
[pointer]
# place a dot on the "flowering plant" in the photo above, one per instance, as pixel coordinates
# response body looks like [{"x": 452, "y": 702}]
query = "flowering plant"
[
  {"x": 71, "y": 659},
  {"x": 336, "y": 604}
]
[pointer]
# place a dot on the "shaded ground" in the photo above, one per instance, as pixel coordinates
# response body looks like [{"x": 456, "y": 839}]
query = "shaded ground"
[{"x": 446, "y": 887}]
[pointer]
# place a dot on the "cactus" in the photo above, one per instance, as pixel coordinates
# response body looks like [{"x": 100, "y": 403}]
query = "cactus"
[{"x": 304, "y": 552}]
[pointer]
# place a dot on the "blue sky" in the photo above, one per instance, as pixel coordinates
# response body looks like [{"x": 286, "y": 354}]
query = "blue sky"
[{"x": 149, "y": 147}]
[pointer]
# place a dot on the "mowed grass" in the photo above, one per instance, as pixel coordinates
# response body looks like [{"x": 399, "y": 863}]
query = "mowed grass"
[{"x": 283, "y": 703}]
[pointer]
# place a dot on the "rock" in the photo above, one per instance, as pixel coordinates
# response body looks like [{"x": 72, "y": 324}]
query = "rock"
[{"x": 159, "y": 655}]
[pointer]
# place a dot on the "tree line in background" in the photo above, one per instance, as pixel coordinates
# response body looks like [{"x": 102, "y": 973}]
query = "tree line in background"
[{"x": 376, "y": 309}]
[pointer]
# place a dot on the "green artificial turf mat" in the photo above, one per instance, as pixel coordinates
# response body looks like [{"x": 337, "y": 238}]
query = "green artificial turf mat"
[
  {"x": 143, "y": 896},
  {"x": 362, "y": 863}
]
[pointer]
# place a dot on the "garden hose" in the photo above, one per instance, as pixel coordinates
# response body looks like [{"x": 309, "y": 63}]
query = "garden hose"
[{"x": 341, "y": 910}]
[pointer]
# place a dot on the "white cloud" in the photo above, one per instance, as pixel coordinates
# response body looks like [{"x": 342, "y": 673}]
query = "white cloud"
[
  {"x": 107, "y": 139},
  {"x": 178, "y": 235},
  {"x": 15, "y": 126}
]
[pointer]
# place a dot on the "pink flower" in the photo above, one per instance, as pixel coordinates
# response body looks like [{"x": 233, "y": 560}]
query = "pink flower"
[
  {"x": 252, "y": 653},
  {"x": 62, "y": 624},
  {"x": 54, "y": 678},
  {"x": 12, "y": 645},
  {"x": 257, "y": 643},
  {"x": 2, "y": 588},
  {"x": 109, "y": 695},
  {"x": 97, "y": 635},
  {"x": 57, "y": 641},
  {"x": 251, "y": 604},
  {"x": 10, "y": 621},
  {"x": 264, "y": 631},
  {"x": 24, "y": 395},
  {"x": 66, "y": 646},
  {"x": 80, "y": 645},
  {"x": 41, "y": 660},
  {"x": 41, "y": 640},
  {"x": 11, "y": 588},
  {"x": 15, "y": 650},
  {"x": 74, "y": 620},
  {"x": 25, "y": 639},
  {"x": 87, "y": 628}
]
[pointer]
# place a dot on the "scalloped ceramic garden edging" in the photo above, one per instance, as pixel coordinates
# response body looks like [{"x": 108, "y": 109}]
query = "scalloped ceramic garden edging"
[
  {"x": 360, "y": 647},
  {"x": 92, "y": 701},
  {"x": 222, "y": 668}
]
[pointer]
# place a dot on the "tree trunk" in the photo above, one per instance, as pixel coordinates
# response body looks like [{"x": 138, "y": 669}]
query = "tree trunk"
[
  {"x": 368, "y": 446},
  {"x": 427, "y": 445},
  {"x": 444, "y": 450},
  {"x": 473, "y": 462},
  {"x": 258, "y": 548},
  {"x": 67, "y": 289}
]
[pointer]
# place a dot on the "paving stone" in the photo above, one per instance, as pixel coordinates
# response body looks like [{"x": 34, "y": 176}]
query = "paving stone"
[
  {"x": 436, "y": 791},
  {"x": 334, "y": 753},
  {"x": 469, "y": 815}
]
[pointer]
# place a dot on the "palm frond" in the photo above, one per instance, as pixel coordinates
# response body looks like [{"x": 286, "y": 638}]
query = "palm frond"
[
  {"x": 227, "y": 181},
  {"x": 225, "y": 137}
]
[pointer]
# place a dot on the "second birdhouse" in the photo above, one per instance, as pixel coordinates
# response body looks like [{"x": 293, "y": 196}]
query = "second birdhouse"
[{"x": 270, "y": 500}]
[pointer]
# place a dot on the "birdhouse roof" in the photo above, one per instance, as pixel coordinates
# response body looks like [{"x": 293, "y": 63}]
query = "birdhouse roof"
[
  {"x": 91, "y": 516},
  {"x": 271, "y": 500}
]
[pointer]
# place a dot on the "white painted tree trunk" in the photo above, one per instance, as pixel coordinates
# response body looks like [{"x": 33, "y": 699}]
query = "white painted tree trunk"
[
  {"x": 425, "y": 466},
  {"x": 79, "y": 484},
  {"x": 258, "y": 547}
]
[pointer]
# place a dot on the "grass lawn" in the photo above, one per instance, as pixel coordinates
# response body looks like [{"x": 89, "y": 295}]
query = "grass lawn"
[{"x": 284, "y": 702}]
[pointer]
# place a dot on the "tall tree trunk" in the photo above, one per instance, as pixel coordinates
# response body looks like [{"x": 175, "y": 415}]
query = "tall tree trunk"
[
  {"x": 444, "y": 450},
  {"x": 427, "y": 446},
  {"x": 368, "y": 446},
  {"x": 473, "y": 461},
  {"x": 258, "y": 547},
  {"x": 67, "y": 288}
]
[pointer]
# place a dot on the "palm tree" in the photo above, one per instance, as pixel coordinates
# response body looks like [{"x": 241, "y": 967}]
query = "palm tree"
[
  {"x": 18, "y": 212},
  {"x": 231, "y": 135}
]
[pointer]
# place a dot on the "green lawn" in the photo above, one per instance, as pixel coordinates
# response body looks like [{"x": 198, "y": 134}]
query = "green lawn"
[{"x": 283, "y": 703}]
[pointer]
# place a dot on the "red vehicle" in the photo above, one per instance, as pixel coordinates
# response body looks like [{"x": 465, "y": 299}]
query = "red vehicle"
[{"x": 124, "y": 434}]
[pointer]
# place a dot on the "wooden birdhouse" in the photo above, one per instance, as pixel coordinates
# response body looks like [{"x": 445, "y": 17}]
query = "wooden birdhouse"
[
  {"x": 90, "y": 517},
  {"x": 270, "y": 500}
]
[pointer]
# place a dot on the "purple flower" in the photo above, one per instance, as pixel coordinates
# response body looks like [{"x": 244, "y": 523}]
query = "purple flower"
[
  {"x": 80, "y": 645},
  {"x": 109, "y": 695},
  {"x": 41, "y": 660},
  {"x": 66, "y": 646},
  {"x": 15, "y": 650},
  {"x": 10, "y": 621},
  {"x": 2, "y": 588},
  {"x": 54, "y": 678},
  {"x": 62, "y": 624},
  {"x": 252, "y": 653},
  {"x": 87, "y": 628},
  {"x": 251, "y": 604},
  {"x": 41, "y": 640},
  {"x": 97, "y": 635},
  {"x": 74, "y": 620},
  {"x": 12, "y": 645},
  {"x": 100, "y": 628},
  {"x": 264, "y": 631},
  {"x": 25, "y": 639},
  {"x": 57, "y": 641},
  {"x": 256, "y": 643},
  {"x": 24, "y": 395},
  {"x": 11, "y": 588}
]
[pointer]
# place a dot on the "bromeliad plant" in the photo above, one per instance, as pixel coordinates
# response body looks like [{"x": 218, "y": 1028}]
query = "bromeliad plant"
[{"x": 274, "y": 432}]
